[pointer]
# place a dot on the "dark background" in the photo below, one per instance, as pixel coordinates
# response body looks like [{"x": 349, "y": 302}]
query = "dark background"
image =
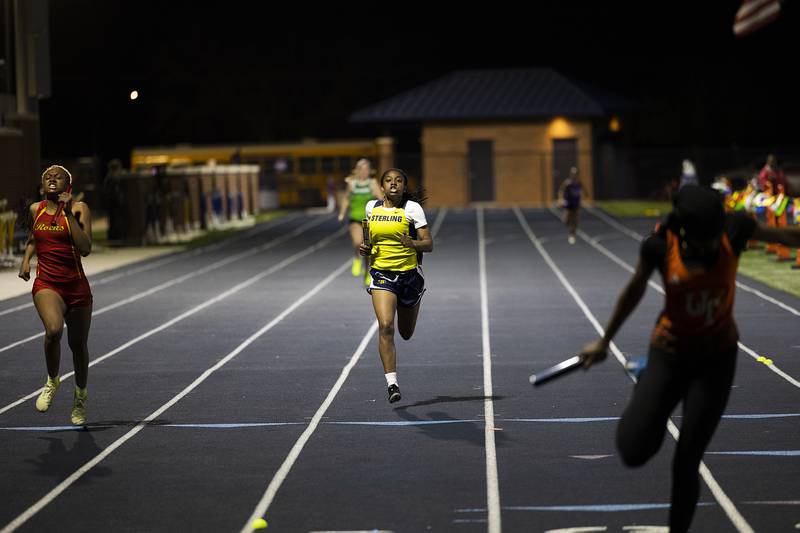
[{"x": 233, "y": 72}]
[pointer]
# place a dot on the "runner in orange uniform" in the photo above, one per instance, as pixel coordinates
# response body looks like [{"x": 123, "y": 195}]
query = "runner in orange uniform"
[{"x": 692, "y": 355}]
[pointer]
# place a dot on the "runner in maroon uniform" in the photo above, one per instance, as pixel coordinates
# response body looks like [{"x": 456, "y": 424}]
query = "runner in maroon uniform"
[{"x": 60, "y": 236}]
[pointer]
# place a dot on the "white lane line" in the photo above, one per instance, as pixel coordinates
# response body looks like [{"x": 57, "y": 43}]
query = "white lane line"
[
  {"x": 233, "y": 290},
  {"x": 17, "y": 308},
  {"x": 766, "y": 297},
  {"x": 172, "y": 258},
  {"x": 396, "y": 424},
  {"x": 279, "y": 477},
  {"x": 75, "y": 476},
  {"x": 771, "y": 366},
  {"x": 437, "y": 224},
  {"x": 613, "y": 257},
  {"x": 614, "y": 224},
  {"x": 189, "y": 275},
  {"x": 733, "y": 514},
  {"x": 492, "y": 479}
]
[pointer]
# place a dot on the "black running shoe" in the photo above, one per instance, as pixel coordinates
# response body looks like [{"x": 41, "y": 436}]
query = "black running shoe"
[{"x": 394, "y": 393}]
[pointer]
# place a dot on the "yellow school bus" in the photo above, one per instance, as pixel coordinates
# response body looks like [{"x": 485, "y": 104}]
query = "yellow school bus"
[{"x": 301, "y": 173}]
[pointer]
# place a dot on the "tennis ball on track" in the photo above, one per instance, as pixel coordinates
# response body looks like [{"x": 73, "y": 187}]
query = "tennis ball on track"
[{"x": 259, "y": 523}]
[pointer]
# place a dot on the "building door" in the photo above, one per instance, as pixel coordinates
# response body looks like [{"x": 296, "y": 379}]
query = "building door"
[
  {"x": 565, "y": 156},
  {"x": 481, "y": 171}
]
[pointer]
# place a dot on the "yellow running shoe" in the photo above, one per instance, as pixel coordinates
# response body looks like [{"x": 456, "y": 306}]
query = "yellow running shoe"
[
  {"x": 46, "y": 397},
  {"x": 78, "y": 416},
  {"x": 356, "y": 270},
  {"x": 367, "y": 278}
]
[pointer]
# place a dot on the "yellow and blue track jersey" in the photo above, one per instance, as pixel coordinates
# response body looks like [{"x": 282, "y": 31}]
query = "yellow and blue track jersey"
[{"x": 386, "y": 224}]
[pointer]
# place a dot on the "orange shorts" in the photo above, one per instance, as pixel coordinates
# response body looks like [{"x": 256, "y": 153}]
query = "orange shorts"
[{"x": 74, "y": 293}]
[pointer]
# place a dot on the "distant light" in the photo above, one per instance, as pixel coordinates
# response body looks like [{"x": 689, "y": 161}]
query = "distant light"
[
  {"x": 134, "y": 95},
  {"x": 614, "y": 124},
  {"x": 560, "y": 128}
]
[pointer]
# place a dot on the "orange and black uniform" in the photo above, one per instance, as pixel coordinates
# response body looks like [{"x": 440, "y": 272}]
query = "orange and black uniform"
[
  {"x": 58, "y": 265},
  {"x": 692, "y": 358}
]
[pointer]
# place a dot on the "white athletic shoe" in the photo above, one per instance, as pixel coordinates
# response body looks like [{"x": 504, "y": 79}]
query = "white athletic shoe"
[
  {"x": 48, "y": 393},
  {"x": 78, "y": 415}
]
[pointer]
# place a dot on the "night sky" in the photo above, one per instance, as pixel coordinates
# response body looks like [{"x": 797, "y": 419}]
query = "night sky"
[{"x": 237, "y": 71}]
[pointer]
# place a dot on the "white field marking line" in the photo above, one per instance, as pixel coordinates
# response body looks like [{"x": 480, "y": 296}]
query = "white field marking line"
[
  {"x": 735, "y": 517},
  {"x": 64, "y": 485},
  {"x": 772, "y": 366},
  {"x": 437, "y": 224},
  {"x": 181, "y": 279},
  {"x": 613, "y": 223},
  {"x": 492, "y": 479},
  {"x": 197, "y": 251},
  {"x": 193, "y": 310},
  {"x": 280, "y": 476},
  {"x": 17, "y": 308},
  {"x": 170, "y": 259},
  {"x": 613, "y": 257}
]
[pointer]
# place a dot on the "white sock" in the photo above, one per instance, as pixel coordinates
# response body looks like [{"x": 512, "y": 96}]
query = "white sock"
[{"x": 391, "y": 378}]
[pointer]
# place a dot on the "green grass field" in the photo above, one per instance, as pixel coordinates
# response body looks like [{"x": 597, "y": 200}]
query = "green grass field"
[
  {"x": 764, "y": 268},
  {"x": 634, "y": 208}
]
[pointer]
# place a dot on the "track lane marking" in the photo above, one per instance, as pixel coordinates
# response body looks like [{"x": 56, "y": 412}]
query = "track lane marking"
[
  {"x": 233, "y": 290},
  {"x": 76, "y": 475},
  {"x": 184, "y": 277},
  {"x": 492, "y": 478}
]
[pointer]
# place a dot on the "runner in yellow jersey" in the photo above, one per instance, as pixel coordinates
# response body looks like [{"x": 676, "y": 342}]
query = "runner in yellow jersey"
[{"x": 398, "y": 234}]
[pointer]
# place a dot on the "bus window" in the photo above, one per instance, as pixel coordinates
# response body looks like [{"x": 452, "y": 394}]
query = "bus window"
[
  {"x": 308, "y": 165},
  {"x": 345, "y": 165}
]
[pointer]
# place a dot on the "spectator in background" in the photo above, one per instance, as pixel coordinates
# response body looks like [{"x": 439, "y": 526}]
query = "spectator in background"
[
  {"x": 771, "y": 174},
  {"x": 688, "y": 174},
  {"x": 114, "y": 192},
  {"x": 570, "y": 192}
]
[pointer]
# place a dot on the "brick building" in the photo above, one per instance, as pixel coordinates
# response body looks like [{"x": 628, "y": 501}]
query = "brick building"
[{"x": 503, "y": 136}]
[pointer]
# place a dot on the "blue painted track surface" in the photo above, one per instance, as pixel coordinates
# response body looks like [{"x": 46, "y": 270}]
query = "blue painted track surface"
[{"x": 258, "y": 378}]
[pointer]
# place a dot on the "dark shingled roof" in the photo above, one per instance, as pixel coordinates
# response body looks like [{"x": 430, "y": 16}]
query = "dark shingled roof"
[{"x": 487, "y": 94}]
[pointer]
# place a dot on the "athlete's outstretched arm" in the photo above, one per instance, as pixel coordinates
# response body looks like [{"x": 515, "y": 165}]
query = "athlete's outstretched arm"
[
  {"x": 787, "y": 235},
  {"x": 30, "y": 248},
  {"x": 345, "y": 199},
  {"x": 630, "y": 297},
  {"x": 561, "y": 188}
]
